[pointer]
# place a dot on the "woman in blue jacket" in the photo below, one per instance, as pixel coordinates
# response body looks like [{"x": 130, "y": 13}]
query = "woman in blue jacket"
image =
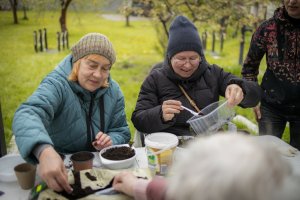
[{"x": 76, "y": 107}]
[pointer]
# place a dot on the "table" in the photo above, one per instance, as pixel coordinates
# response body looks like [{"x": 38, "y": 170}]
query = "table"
[{"x": 14, "y": 192}]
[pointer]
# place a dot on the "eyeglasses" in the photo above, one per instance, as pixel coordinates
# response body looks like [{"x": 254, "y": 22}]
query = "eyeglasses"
[{"x": 182, "y": 61}]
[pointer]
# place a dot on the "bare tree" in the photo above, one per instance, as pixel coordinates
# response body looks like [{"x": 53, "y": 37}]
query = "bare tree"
[
  {"x": 217, "y": 13},
  {"x": 63, "y": 17},
  {"x": 14, "y": 7}
]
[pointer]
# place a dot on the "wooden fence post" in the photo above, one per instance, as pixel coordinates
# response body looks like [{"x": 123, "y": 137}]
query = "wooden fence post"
[
  {"x": 41, "y": 40},
  {"x": 35, "y": 41},
  {"x": 244, "y": 29},
  {"x": 45, "y": 39},
  {"x": 67, "y": 39},
  {"x": 3, "y": 150},
  {"x": 58, "y": 40},
  {"x": 213, "y": 41},
  {"x": 204, "y": 39}
]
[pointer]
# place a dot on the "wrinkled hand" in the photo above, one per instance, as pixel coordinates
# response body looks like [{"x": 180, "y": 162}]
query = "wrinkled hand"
[
  {"x": 125, "y": 182},
  {"x": 257, "y": 112},
  {"x": 234, "y": 94},
  {"x": 102, "y": 140},
  {"x": 52, "y": 170},
  {"x": 170, "y": 108}
]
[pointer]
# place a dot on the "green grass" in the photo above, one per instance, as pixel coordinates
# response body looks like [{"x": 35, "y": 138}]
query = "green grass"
[{"x": 21, "y": 69}]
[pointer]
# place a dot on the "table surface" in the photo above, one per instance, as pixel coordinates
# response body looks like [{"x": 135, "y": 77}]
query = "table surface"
[{"x": 12, "y": 190}]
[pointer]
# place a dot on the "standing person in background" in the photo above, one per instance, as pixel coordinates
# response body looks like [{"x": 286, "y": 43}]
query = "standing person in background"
[
  {"x": 279, "y": 39},
  {"x": 185, "y": 78},
  {"x": 77, "y": 107}
]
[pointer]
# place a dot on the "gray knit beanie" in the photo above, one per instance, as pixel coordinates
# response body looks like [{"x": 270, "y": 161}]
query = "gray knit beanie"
[{"x": 94, "y": 43}]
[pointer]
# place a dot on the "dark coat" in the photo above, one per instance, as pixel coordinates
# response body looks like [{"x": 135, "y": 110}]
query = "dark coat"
[
  {"x": 279, "y": 39},
  {"x": 204, "y": 87}
]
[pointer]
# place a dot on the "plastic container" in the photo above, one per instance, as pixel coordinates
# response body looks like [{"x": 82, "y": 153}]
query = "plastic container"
[
  {"x": 160, "y": 149},
  {"x": 214, "y": 117}
]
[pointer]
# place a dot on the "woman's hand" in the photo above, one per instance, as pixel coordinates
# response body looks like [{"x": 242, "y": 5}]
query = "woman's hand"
[
  {"x": 170, "y": 108},
  {"x": 234, "y": 94},
  {"x": 125, "y": 182},
  {"x": 52, "y": 170},
  {"x": 102, "y": 140},
  {"x": 257, "y": 112}
]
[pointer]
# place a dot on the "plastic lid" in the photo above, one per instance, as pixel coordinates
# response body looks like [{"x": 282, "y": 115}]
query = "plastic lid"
[{"x": 161, "y": 140}]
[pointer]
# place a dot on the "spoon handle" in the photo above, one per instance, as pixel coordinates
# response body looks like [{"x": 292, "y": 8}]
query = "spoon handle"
[{"x": 191, "y": 111}]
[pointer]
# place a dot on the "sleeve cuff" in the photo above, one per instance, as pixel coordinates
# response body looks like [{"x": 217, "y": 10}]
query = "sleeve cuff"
[
  {"x": 38, "y": 149},
  {"x": 140, "y": 188}
]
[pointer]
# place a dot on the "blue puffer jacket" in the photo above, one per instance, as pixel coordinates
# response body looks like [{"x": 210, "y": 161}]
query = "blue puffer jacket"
[{"x": 57, "y": 114}]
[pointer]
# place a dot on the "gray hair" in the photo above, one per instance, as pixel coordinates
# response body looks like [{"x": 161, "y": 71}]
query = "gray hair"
[{"x": 227, "y": 167}]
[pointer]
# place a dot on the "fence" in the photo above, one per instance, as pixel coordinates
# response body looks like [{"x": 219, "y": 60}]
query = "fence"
[
  {"x": 40, "y": 40},
  {"x": 205, "y": 36}
]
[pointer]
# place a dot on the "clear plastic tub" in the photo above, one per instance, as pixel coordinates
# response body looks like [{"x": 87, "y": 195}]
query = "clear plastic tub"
[{"x": 213, "y": 117}]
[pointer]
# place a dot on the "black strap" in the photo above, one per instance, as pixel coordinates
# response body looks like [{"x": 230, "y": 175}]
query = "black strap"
[
  {"x": 102, "y": 119},
  {"x": 90, "y": 130}
]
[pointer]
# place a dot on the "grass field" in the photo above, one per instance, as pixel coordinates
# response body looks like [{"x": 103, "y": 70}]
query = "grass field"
[{"x": 21, "y": 69}]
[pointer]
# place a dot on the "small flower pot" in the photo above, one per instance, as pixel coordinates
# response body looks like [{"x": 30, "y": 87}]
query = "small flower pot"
[{"x": 82, "y": 160}]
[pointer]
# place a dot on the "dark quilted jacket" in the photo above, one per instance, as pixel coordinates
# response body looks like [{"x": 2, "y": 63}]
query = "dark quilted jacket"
[{"x": 204, "y": 87}]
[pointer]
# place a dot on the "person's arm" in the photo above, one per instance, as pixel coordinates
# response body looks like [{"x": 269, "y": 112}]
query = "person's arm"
[
  {"x": 147, "y": 116},
  {"x": 255, "y": 54},
  {"x": 118, "y": 129},
  {"x": 140, "y": 189},
  {"x": 156, "y": 189},
  {"x": 34, "y": 115},
  {"x": 251, "y": 90},
  {"x": 52, "y": 170},
  {"x": 34, "y": 143}
]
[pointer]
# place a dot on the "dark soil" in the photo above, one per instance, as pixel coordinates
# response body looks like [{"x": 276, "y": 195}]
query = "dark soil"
[
  {"x": 78, "y": 192},
  {"x": 118, "y": 153},
  {"x": 89, "y": 176},
  {"x": 82, "y": 156}
]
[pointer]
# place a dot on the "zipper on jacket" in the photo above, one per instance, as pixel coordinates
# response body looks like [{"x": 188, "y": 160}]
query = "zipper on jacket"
[{"x": 90, "y": 130}]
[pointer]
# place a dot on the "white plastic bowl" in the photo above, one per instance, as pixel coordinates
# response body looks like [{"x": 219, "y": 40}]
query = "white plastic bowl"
[
  {"x": 116, "y": 164},
  {"x": 7, "y": 164}
]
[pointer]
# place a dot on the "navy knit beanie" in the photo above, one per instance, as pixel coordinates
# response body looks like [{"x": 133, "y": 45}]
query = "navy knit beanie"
[{"x": 183, "y": 36}]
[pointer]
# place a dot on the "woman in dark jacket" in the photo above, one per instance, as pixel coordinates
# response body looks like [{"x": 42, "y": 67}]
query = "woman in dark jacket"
[
  {"x": 279, "y": 39},
  {"x": 185, "y": 70}
]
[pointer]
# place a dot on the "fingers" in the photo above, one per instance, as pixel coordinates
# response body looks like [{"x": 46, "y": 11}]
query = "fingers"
[
  {"x": 125, "y": 182},
  {"x": 234, "y": 94},
  {"x": 257, "y": 113},
  {"x": 59, "y": 182},
  {"x": 170, "y": 108},
  {"x": 53, "y": 172},
  {"x": 102, "y": 140}
]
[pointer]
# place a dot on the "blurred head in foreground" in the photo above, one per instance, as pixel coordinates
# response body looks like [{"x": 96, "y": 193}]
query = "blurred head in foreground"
[{"x": 228, "y": 167}]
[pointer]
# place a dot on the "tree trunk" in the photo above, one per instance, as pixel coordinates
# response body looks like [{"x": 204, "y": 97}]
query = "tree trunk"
[
  {"x": 25, "y": 13},
  {"x": 14, "y": 6},
  {"x": 62, "y": 19},
  {"x": 127, "y": 20}
]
